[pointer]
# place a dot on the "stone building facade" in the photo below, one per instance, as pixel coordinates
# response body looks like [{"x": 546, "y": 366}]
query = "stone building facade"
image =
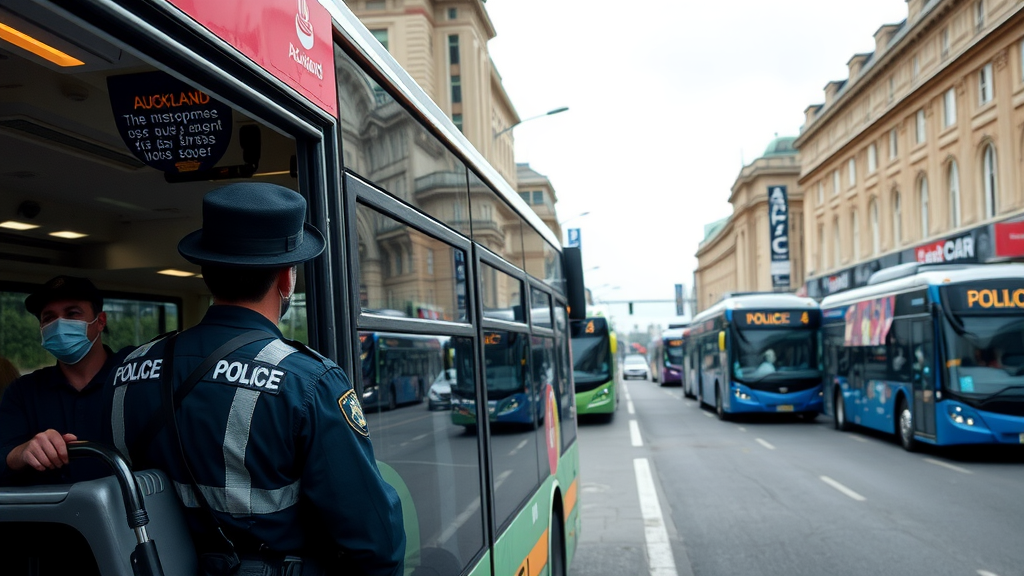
[{"x": 917, "y": 155}]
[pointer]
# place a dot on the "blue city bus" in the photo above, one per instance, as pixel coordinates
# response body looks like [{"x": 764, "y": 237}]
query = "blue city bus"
[
  {"x": 931, "y": 354},
  {"x": 758, "y": 352},
  {"x": 397, "y": 369}
]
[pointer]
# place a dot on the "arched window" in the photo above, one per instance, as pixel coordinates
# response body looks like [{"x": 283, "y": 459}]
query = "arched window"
[
  {"x": 897, "y": 220},
  {"x": 876, "y": 240},
  {"x": 954, "y": 195},
  {"x": 989, "y": 173},
  {"x": 855, "y": 227},
  {"x": 835, "y": 242},
  {"x": 821, "y": 248},
  {"x": 922, "y": 199}
]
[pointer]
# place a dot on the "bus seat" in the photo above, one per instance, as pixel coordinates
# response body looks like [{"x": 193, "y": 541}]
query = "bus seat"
[{"x": 81, "y": 529}]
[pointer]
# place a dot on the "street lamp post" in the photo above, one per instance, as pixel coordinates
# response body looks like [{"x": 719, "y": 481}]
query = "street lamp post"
[{"x": 548, "y": 113}]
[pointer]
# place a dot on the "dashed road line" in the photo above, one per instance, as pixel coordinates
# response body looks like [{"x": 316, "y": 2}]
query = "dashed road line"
[
  {"x": 986, "y": 573},
  {"x": 855, "y": 437},
  {"x": 688, "y": 404},
  {"x": 741, "y": 428},
  {"x": 764, "y": 443},
  {"x": 948, "y": 465},
  {"x": 659, "y": 550},
  {"x": 842, "y": 489},
  {"x": 634, "y": 433},
  {"x": 629, "y": 406},
  {"x": 708, "y": 414}
]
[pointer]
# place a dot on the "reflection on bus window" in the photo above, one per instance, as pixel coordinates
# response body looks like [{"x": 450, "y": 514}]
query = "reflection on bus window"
[
  {"x": 761, "y": 353},
  {"x": 501, "y": 295},
  {"x": 986, "y": 353}
]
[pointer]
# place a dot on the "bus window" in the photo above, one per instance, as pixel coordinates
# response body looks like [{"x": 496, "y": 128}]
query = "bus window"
[
  {"x": 540, "y": 309},
  {"x": 501, "y": 295}
]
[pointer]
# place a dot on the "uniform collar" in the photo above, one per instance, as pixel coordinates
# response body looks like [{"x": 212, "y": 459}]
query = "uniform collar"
[{"x": 239, "y": 317}]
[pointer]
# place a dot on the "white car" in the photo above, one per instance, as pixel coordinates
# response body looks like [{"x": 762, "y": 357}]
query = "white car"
[{"x": 635, "y": 366}]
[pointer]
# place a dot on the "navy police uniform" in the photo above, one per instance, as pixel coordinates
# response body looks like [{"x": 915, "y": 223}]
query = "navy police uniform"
[
  {"x": 43, "y": 400},
  {"x": 276, "y": 441},
  {"x": 273, "y": 432}
]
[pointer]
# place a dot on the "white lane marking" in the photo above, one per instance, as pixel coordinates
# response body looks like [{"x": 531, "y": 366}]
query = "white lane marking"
[
  {"x": 688, "y": 404},
  {"x": 765, "y": 444},
  {"x": 625, "y": 391},
  {"x": 857, "y": 438},
  {"x": 518, "y": 448},
  {"x": 471, "y": 511},
  {"x": 843, "y": 489},
  {"x": 420, "y": 437},
  {"x": 629, "y": 406},
  {"x": 501, "y": 478},
  {"x": 634, "y": 433},
  {"x": 948, "y": 465},
  {"x": 741, "y": 428},
  {"x": 986, "y": 573},
  {"x": 708, "y": 414},
  {"x": 659, "y": 550}
]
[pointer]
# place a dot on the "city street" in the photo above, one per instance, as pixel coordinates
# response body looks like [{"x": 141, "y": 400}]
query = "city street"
[{"x": 783, "y": 497}]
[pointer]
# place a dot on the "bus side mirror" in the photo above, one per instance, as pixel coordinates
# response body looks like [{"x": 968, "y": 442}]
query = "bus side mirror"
[
  {"x": 721, "y": 340},
  {"x": 614, "y": 342},
  {"x": 575, "y": 291}
]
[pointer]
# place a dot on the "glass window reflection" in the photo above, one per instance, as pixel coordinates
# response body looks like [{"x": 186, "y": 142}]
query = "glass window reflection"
[{"x": 501, "y": 295}]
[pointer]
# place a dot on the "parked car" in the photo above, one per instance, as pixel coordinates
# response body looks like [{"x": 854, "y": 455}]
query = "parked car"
[
  {"x": 635, "y": 366},
  {"x": 440, "y": 395}
]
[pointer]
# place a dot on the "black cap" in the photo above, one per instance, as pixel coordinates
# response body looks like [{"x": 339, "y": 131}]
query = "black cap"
[
  {"x": 64, "y": 288},
  {"x": 253, "y": 224}
]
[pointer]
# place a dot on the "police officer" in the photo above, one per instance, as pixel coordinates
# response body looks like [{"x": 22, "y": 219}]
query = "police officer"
[
  {"x": 44, "y": 410},
  {"x": 270, "y": 434}
]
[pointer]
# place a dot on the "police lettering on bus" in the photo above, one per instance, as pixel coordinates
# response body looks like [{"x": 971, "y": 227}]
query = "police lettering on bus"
[{"x": 273, "y": 432}]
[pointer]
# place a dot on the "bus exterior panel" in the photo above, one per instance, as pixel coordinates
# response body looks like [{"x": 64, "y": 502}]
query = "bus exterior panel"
[
  {"x": 942, "y": 365},
  {"x": 593, "y": 352}
]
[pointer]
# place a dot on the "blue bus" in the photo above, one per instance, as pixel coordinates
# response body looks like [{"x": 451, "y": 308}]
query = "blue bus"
[
  {"x": 758, "y": 352},
  {"x": 931, "y": 354},
  {"x": 397, "y": 369}
]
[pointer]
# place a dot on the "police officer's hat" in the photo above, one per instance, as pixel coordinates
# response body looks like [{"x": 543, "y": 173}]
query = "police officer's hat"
[
  {"x": 64, "y": 288},
  {"x": 253, "y": 224}
]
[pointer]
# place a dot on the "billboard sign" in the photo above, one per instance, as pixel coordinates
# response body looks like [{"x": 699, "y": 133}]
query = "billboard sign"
[
  {"x": 574, "y": 238},
  {"x": 778, "y": 224}
]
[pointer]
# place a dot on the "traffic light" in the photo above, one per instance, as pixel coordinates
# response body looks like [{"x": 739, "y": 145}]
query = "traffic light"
[{"x": 630, "y": 308}]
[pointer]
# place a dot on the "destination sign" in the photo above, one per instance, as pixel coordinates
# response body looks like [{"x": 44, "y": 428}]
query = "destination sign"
[
  {"x": 775, "y": 318},
  {"x": 992, "y": 297},
  {"x": 168, "y": 124},
  {"x": 588, "y": 327}
]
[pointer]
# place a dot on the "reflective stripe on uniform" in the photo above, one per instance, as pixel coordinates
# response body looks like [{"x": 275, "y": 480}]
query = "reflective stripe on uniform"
[
  {"x": 118, "y": 423},
  {"x": 240, "y": 498},
  {"x": 262, "y": 501}
]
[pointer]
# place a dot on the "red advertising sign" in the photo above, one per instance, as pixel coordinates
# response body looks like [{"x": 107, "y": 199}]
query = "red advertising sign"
[
  {"x": 1009, "y": 238},
  {"x": 291, "y": 39}
]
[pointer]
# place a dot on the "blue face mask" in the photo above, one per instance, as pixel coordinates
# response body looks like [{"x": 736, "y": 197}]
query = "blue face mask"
[{"x": 68, "y": 340}]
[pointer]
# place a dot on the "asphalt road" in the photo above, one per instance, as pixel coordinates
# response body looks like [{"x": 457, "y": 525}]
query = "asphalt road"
[{"x": 766, "y": 496}]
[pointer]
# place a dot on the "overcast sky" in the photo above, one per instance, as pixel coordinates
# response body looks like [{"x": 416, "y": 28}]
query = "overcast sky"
[{"x": 667, "y": 99}]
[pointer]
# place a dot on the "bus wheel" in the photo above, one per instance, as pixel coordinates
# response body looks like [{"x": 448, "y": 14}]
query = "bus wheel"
[
  {"x": 905, "y": 427},
  {"x": 839, "y": 413},
  {"x": 556, "y": 546},
  {"x": 391, "y": 399},
  {"x": 719, "y": 409}
]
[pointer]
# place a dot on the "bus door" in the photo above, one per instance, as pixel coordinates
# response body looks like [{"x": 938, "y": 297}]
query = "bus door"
[{"x": 923, "y": 374}]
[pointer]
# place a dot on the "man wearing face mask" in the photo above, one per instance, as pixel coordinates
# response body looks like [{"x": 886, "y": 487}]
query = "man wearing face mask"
[
  {"x": 44, "y": 410},
  {"x": 263, "y": 438}
]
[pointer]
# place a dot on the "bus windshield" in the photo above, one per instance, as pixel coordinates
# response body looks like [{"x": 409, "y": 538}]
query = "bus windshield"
[
  {"x": 767, "y": 355},
  {"x": 674, "y": 352},
  {"x": 591, "y": 359},
  {"x": 986, "y": 354}
]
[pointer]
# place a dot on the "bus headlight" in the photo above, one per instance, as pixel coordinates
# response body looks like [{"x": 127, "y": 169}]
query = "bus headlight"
[
  {"x": 963, "y": 416},
  {"x": 508, "y": 406},
  {"x": 741, "y": 395}
]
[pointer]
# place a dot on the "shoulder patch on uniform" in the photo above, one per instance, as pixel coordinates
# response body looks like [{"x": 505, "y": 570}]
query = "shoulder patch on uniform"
[{"x": 353, "y": 412}]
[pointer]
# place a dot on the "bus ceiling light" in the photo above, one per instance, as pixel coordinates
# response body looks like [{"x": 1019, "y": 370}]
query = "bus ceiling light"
[
  {"x": 20, "y": 226},
  {"x": 37, "y": 47},
  {"x": 68, "y": 235},
  {"x": 176, "y": 273}
]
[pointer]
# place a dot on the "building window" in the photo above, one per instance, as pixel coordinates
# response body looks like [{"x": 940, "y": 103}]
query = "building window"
[
  {"x": 375, "y": 5},
  {"x": 916, "y": 67},
  {"x": 949, "y": 108},
  {"x": 893, "y": 144},
  {"x": 456, "y": 89},
  {"x": 979, "y": 15},
  {"x": 953, "y": 177},
  {"x": 453, "y": 13},
  {"x": 381, "y": 36},
  {"x": 989, "y": 173},
  {"x": 453, "y": 48},
  {"x": 892, "y": 88},
  {"x": 851, "y": 168},
  {"x": 430, "y": 261},
  {"x": 897, "y": 220},
  {"x": 922, "y": 199},
  {"x": 872, "y": 158},
  {"x": 525, "y": 196},
  {"x": 538, "y": 197},
  {"x": 945, "y": 42},
  {"x": 876, "y": 238},
  {"x": 457, "y": 120},
  {"x": 985, "y": 85},
  {"x": 821, "y": 247},
  {"x": 836, "y": 259},
  {"x": 835, "y": 182},
  {"x": 919, "y": 134},
  {"x": 821, "y": 192},
  {"x": 855, "y": 227}
]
